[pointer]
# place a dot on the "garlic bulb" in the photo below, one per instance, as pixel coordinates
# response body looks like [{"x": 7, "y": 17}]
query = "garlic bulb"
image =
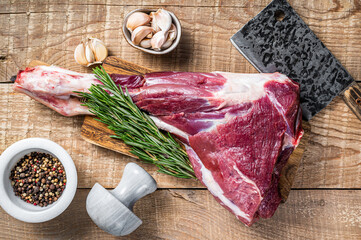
[
  {"x": 91, "y": 51},
  {"x": 137, "y": 19}
]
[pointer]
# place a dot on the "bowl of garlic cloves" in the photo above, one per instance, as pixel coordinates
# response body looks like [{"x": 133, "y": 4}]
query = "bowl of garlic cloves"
[{"x": 152, "y": 31}]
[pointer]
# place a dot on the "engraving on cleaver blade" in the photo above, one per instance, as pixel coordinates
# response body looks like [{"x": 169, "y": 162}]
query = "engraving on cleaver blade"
[{"x": 289, "y": 46}]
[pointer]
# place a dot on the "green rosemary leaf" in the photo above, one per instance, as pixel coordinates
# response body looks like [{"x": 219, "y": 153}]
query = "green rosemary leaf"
[{"x": 114, "y": 107}]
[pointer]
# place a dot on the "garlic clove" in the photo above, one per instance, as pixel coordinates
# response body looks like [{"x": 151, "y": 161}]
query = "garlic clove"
[
  {"x": 140, "y": 33},
  {"x": 89, "y": 54},
  {"x": 172, "y": 32},
  {"x": 161, "y": 20},
  {"x": 99, "y": 49},
  {"x": 145, "y": 43},
  {"x": 137, "y": 19},
  {"x": 167, "y": 44},
  {"x": 150, "y": 35},
  {"x": 79, "y": 55},
  {"x": 158, "y": 40},
  {"x": 154, "y": 24}
]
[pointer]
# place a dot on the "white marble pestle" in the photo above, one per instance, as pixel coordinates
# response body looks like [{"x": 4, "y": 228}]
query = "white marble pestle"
[{"x": 112, "y": 210}]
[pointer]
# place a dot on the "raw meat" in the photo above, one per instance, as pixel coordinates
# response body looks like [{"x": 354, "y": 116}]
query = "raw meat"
[
  {"x": 239, "y": 129},
  {"x": 53, "y": 86}
]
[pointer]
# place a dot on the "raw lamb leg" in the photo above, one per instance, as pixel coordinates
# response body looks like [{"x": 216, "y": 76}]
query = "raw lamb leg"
[{"x": 239, "y": 129}]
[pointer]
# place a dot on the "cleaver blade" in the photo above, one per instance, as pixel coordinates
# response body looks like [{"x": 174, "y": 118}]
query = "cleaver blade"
[{"x": 278, "y": 40}]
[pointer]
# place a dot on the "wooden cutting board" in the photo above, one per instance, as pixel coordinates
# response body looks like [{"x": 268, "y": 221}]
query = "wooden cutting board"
[{"x": 98, "y": 133}]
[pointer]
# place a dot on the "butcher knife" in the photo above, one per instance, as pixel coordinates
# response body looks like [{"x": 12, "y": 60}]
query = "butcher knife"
[{"x": 278, "y": 40}]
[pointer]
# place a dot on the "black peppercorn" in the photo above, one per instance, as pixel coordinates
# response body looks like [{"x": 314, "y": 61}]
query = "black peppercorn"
[{"x": 37, "y": 178}]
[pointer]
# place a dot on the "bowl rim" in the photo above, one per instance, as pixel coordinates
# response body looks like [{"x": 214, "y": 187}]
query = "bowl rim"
[
  {"x": 53, "y": 210},
  {"x": 175, "y": 21}
]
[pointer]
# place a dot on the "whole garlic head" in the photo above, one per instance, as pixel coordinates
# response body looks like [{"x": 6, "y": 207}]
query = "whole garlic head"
[{"x": 91, "y": 51}]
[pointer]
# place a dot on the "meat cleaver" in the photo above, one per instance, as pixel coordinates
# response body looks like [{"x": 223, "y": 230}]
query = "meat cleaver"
[{"x": 278, "y": 40}]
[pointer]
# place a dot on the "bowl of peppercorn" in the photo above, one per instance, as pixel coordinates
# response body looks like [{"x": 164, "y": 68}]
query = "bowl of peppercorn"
[{"x": 38, "y": 180}]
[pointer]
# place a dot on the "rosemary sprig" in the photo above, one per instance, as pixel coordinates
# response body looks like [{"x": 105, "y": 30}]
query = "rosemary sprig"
[{"x": 115, "y": 108}]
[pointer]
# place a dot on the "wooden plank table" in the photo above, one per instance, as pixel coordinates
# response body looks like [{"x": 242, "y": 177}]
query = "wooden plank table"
[{"x": 325, "y": 202}]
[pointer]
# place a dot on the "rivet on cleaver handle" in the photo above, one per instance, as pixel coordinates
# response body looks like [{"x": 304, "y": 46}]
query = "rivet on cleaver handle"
[
  {"x": 290, "y": 47},
  {"x": 352, "y": 97}
]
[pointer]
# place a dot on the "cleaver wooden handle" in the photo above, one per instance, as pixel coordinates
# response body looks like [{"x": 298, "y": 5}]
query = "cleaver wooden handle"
[{"x": 352, "y": 97}]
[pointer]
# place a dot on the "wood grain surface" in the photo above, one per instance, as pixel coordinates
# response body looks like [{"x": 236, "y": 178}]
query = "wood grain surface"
[
  {"x": 194, "y": 214},
  {"x": 50, "y": 31},
  {"x": 325, "y": 200}
]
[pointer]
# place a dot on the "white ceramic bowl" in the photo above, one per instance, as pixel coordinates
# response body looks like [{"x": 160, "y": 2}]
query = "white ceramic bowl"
[
  {"x": 175, "y": 43},
  {"x": 20, "y": 209}
]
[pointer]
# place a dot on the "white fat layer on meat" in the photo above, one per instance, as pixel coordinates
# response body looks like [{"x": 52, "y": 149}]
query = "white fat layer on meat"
[
  {"x": 176, "y": 131},
  {"x": 216, "y": 190},
  {"x": 62, "y": 70},
  {"x": 56, "y": 81},
  {"x": 227, "y": 117},
  {"x": 287, "y": 142},
  {"x": 169, "y": 128},
  {"x": 249, "y": 181},
  {"x": 241, "y": 88}
]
